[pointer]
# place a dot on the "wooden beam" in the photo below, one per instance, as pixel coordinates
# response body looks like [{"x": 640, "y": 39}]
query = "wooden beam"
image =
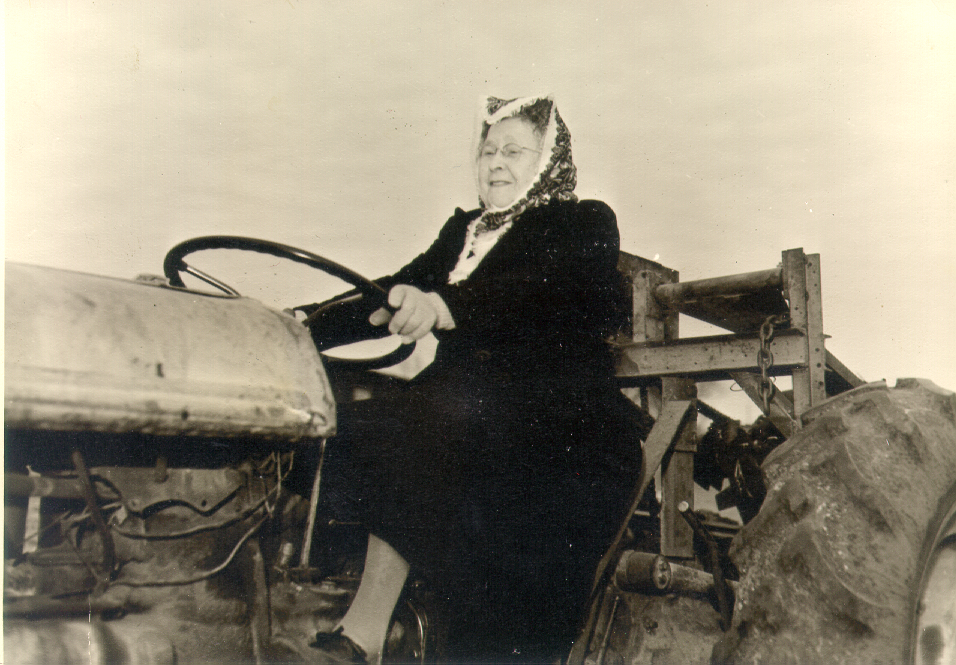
[
  {"x": 665, "y": 433},
  {"x": 712, "y": 358},
  {"x": 843, "y": 371},
  {"x": 781, "y": 408},
  {"x": 673, "y": 420},
  {"x": 649, "y": 320},
  {"x": 677, "y": 473},
  {"x": 801, "y": 276},
  {"x": 816, "y": 349}
]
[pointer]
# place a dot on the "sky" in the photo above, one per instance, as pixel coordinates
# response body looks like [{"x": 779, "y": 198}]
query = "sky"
[{"x": 721, "y": 134}]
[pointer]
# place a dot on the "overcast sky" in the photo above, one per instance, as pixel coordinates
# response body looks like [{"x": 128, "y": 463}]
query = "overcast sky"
[{"x": 721, "y": 134}]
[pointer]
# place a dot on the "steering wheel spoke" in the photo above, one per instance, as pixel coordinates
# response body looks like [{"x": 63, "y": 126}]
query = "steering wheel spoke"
[{"x": 208, "y": 279}]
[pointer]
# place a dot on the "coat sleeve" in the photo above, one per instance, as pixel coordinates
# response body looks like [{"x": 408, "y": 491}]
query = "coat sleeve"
[
  {"x": 344, "y": 319},
  {"x": 431, "y": 268}
]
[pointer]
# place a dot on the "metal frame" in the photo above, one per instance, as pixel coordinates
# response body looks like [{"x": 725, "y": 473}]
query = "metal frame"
[{"x": 666, "y": 368}]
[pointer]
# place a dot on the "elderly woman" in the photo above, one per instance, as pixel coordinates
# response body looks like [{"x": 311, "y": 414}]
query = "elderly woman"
[{"x": 501, "y": 471}]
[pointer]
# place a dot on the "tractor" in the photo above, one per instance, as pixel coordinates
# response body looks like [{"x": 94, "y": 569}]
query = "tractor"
[{"x": 152, "y": 432}]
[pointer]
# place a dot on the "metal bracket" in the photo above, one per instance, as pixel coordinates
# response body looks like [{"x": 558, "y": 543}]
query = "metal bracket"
[{"x": 665, "y": 433}]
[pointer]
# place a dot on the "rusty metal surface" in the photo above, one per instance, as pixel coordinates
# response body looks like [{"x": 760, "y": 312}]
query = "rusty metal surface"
[
  {"x": 649, "y": 573},
  {"x": 708, "y": 358},
  {"x": 201, "y": 490},
  {"x": 20, "y": 484},
  {"x": 654, "y": 629},
  {"x": 85, "y": 352},
  {"x": 85, "y": 642},
  {"x": 732, "y": 285}
]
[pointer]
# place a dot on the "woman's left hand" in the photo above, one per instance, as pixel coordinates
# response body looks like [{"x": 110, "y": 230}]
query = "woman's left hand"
[{"x": 416, "y": 315}]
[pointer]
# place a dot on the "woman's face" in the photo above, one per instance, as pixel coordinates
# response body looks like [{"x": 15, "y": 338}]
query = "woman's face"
[{"x": 507, "y": 161}]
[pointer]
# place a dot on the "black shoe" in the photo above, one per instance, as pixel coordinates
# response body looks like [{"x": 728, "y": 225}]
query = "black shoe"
[{"x": 338, "y": 648}]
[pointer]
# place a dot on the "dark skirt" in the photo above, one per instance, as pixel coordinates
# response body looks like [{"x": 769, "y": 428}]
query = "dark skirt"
[{"x": 501, "y": 493}]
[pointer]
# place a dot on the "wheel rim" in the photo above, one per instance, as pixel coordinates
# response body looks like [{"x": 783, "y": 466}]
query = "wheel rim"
[{"x": 934, "y": 637}]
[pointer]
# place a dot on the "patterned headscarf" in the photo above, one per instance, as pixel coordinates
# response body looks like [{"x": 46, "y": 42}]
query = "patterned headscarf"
[{"x": 556, "y": 177}]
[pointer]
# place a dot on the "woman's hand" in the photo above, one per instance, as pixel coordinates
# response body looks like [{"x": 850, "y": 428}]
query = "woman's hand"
[{"x": 417, "y": 313}]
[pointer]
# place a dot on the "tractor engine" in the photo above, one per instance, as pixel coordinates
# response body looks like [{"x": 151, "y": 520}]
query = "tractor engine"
[{"x": 149, "y": 433}]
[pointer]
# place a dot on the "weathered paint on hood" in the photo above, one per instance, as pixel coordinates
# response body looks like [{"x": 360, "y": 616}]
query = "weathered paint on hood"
[{"x": 86, "y": 352}]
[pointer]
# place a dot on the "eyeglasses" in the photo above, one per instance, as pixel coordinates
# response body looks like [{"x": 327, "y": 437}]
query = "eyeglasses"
[{"x": 510, "y": 152}]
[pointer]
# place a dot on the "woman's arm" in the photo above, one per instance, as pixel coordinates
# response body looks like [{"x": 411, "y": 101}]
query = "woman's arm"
[
  {"x": 411, "y": 291},
  {"x": 560, "y": 279},
  {"x": 555, "y": 277},
  {"x": 431, "y": 268}
]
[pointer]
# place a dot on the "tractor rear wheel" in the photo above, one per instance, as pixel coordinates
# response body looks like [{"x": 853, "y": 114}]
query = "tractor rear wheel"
[{"x": 852, "y": 558}]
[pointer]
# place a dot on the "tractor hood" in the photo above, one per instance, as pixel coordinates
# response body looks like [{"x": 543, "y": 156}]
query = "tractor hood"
[{"x": 86, "y": 352}]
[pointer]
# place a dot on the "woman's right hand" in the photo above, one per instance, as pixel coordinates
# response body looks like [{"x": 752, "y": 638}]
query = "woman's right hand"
[{"x": 417, "y": 313}]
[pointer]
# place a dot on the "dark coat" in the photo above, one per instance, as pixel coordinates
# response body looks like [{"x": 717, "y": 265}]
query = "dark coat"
[
  {"x": 503, "y": 469},
  {"x": 545, "y": 297}
]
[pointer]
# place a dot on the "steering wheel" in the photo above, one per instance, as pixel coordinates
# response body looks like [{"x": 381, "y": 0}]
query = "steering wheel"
[{"x": 368, "y": 296}]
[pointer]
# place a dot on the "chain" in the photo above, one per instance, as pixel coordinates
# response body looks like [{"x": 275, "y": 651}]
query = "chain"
[
  {"x": 765, "y": 358},
  {"x": 740, "y": 481}
]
